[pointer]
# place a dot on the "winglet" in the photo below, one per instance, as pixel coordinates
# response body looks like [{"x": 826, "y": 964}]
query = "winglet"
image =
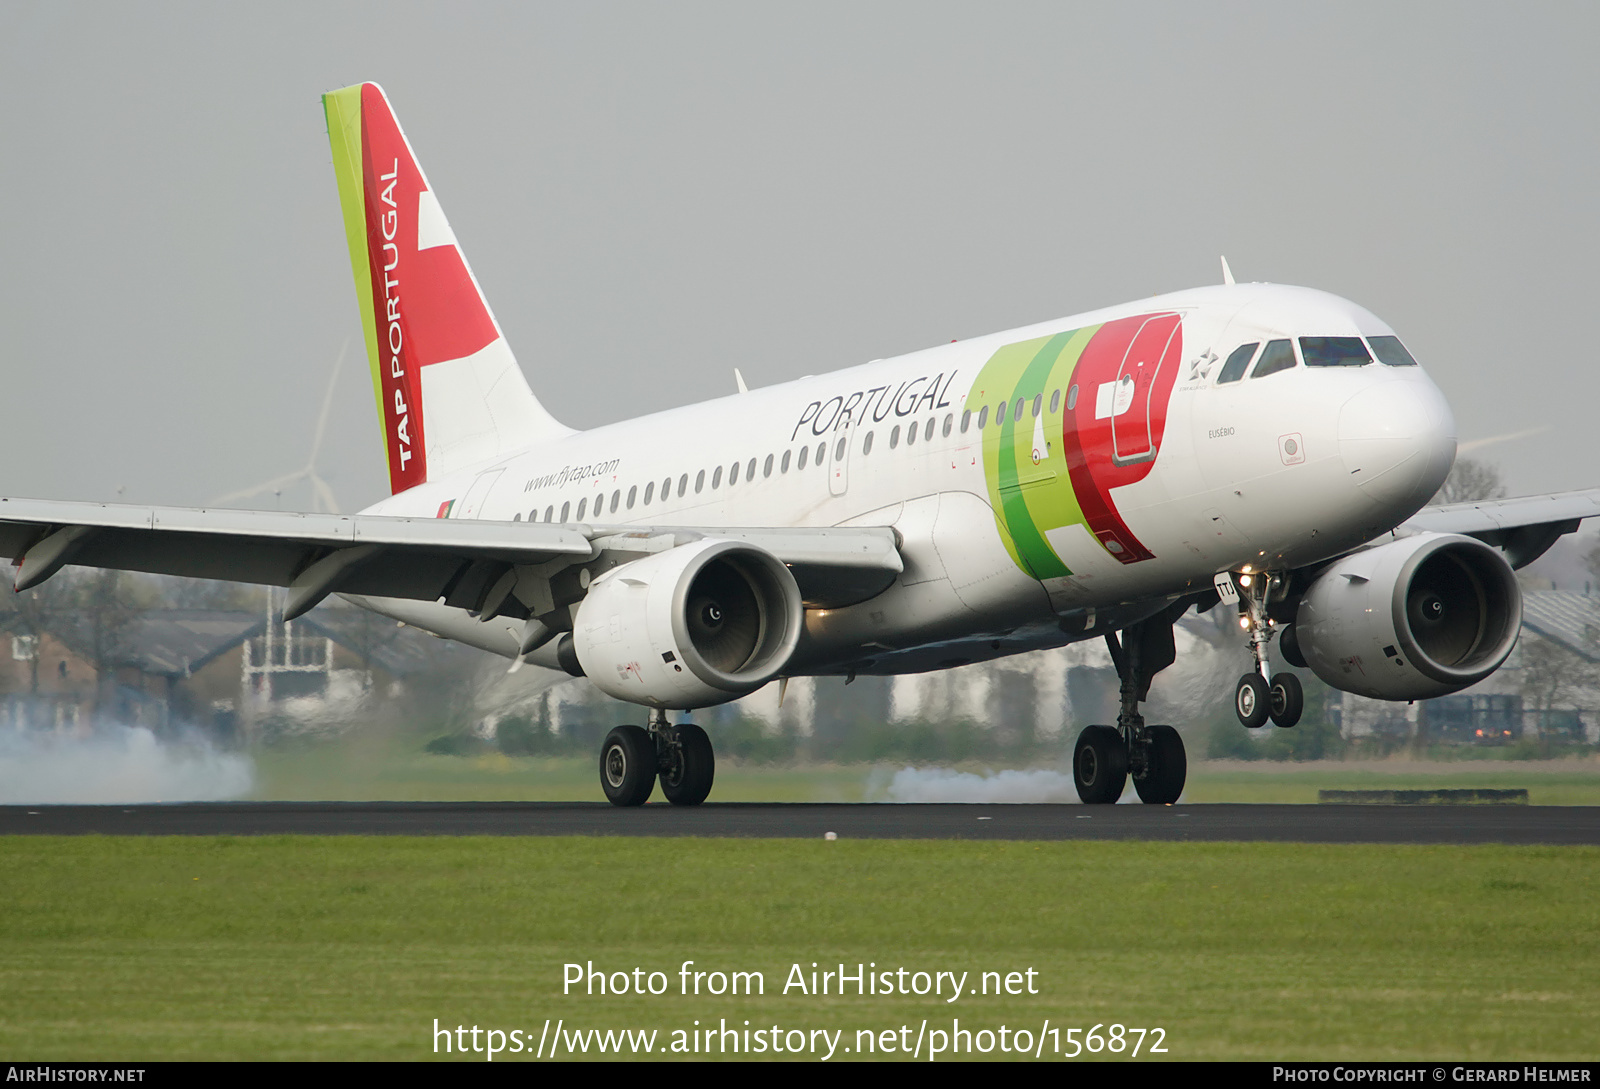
[{"x": 1227, "y": 273}]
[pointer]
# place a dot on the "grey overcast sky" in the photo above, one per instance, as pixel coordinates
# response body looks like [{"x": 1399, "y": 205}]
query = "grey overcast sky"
[{"x": 652, "y": 194}]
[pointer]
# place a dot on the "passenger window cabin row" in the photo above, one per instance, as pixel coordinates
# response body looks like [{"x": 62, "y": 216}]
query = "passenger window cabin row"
[{"x": 907, "y": 434}]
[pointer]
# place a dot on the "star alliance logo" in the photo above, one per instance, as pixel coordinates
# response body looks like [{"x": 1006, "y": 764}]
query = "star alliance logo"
[{"x": 1200, "y": 367}]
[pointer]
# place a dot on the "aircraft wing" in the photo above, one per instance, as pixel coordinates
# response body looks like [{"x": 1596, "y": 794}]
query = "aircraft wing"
[
  {"x": 457, "y": 561},
  {"x": 1523, "y": 528}
]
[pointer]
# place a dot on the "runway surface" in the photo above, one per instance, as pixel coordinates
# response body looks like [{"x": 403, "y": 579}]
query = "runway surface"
[{"x": 1283, "y": 823}]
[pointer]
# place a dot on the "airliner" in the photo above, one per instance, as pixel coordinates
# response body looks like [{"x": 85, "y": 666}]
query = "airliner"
[{"x": 1255, "y": 447}]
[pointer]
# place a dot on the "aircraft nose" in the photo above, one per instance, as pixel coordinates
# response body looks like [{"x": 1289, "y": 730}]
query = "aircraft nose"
[{"x": 1398, "y": 440}]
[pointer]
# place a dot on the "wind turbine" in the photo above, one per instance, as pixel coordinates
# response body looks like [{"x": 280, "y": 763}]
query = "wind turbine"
[{"x": 322, "y": 500}]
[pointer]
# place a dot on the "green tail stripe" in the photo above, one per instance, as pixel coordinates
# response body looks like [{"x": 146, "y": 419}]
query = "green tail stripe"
[{"x": 343, "y": 111}]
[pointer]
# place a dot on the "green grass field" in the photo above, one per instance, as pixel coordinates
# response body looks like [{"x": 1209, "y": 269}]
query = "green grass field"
[
  {"x": 376, "y": 771},
  {"x": 149, "y": 948}
]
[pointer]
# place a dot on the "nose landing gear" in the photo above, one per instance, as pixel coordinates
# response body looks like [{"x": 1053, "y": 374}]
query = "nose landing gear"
[
  {"x": 632, "y": 759},
  {"x": 1261, "y": 695}
]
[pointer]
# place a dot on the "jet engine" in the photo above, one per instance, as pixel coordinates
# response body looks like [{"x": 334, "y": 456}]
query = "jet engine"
[
  {"x": 1420, "y": 617},
  {"x": 693, "y": 626}
]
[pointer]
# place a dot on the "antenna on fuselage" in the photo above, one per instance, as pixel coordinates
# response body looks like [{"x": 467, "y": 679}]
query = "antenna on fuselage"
[
  {"x": 739, "y": 378},
  {"x": 1227, "y": 273}
]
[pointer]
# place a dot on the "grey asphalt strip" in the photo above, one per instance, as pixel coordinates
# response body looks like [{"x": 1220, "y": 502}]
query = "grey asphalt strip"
[{"x": 1281, "y": 823}]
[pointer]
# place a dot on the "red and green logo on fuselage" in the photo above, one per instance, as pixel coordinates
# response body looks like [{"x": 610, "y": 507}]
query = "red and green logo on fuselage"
[{"x": 1066, "y": 419}]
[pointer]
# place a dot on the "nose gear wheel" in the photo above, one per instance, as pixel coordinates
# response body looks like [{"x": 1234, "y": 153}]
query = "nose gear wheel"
[
  {"x": 1251, "y": 700},
  {"x": 1286, "y": 700}
]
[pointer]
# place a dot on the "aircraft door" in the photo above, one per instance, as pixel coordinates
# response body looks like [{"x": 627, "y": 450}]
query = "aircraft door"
[
  {"x": 839, "y": 460},
  {"x": 1132, "y": 439},
  {"x": 472, "y": 504}
]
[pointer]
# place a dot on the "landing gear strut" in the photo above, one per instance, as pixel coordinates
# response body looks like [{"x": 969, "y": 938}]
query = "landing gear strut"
[
  {"x": 632, "y": 759},
  {"x": 1105, "y": 756},
  {"x": 1260, "y": 694}
]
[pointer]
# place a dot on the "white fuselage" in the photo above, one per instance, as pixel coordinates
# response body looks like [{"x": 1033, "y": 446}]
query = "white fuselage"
[{"x": 1271, "y": 472}]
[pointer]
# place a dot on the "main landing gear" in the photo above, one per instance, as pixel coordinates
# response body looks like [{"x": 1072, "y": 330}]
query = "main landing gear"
[
  {"x": 633, "y": 758},
  {"x": 1105, "y": 756},
  {"x": 1261, "y": 695}
]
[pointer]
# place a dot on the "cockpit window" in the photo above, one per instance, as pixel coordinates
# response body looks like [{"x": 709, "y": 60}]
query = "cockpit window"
[
  {"x": 1233, "y": 369},
  {"x": 1277, "y": 356},
  {"x": 1389, "y": 350},
  {"x": 1334, "y": 352}
]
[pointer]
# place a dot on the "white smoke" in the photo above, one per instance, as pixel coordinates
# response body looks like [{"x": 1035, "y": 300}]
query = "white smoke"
[
  {"x": 117, "y": 765},
  {"x": 946, "y": 785}
]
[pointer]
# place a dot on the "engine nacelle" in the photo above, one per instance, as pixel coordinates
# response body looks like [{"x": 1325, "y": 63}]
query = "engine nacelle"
[
  {"x": 1420, "y": 617},
  {"x": 694, "y": 626}
]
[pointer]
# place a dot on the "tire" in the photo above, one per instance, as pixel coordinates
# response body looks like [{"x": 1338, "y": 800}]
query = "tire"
[
  {"x": 1100, "y": 765},
  {"x": 1287, "y": 700},
  {"x": 628, "y": 766},
  {"x": 686, "y": 778},
  {"x": 1168, "y": 768},
  {"x": 1251, "y": 702}
]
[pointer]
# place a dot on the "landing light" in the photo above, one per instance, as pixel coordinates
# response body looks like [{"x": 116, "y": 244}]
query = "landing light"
[
  {"x": 1244, "y": 580},
  {"x": 1244, "y": 622}
]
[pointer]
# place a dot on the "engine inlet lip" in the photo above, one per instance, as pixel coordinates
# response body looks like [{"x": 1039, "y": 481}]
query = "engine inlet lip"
[
  {"x": 777, "y": 595},
  {"x": 1496, "y": 579}
]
